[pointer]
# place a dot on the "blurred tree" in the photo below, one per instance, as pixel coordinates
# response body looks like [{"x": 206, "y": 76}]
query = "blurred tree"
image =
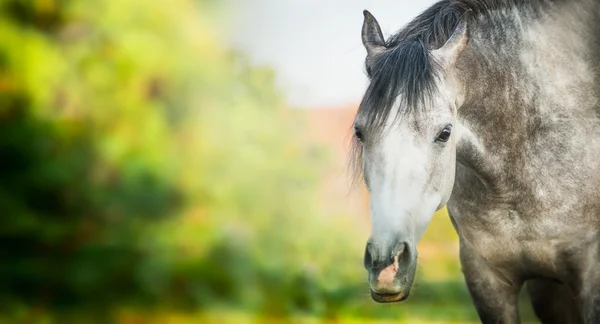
[
  {"x": 115, "y": 114},
  {"x": 71, "y": 215}
]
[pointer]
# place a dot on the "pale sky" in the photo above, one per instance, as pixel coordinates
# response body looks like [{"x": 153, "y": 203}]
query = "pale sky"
[{"x": 314, "y": 45}]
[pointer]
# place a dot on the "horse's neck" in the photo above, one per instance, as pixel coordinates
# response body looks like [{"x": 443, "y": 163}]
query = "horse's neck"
[{"x": 531, "y": 81}]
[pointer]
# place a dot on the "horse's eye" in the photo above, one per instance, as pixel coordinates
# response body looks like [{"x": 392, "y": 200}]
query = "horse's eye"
[
  {"x": 358, "y": 133},
  {"x": 444, "y": 135}
]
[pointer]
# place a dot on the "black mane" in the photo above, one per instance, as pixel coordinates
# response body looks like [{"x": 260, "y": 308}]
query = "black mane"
[{"x": 407, "y": 68}]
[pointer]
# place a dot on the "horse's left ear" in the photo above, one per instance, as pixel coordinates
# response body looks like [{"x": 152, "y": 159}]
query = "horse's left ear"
[
  {"x": 372, "y": 37},
  {"x": 450, "y": 51}
]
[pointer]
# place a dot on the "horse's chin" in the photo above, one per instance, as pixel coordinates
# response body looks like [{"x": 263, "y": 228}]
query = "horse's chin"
[{"x": 389, "y": 298}]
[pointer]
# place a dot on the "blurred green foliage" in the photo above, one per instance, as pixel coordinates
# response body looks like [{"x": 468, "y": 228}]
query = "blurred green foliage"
[
  {"x": 146, "y": 167},
  {"x": 142, "y": 162}
]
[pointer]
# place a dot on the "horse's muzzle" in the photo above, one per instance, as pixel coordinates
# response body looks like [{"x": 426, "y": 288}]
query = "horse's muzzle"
[{"x": 391, "y": 271}]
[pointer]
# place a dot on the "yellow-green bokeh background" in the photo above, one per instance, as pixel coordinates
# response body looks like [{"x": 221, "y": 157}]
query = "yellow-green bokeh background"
[{"x": 150, "y": 174}]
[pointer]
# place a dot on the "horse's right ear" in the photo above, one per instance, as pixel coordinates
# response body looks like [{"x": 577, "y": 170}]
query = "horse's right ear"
[
  {"x": 448, "y": 54},
  {"x": 372, "y": 37}
]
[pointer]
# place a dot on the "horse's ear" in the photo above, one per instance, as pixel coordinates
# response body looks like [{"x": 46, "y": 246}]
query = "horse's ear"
[
  {"x": 450, "y": 51},
  {"x": 372, "y": 37}
]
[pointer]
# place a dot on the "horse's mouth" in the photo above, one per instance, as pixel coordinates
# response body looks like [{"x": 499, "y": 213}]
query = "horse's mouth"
[{"x": 388, "y": 298}]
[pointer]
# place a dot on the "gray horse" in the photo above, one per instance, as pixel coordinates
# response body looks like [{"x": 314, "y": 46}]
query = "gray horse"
[{"x": 490, "y": 107}]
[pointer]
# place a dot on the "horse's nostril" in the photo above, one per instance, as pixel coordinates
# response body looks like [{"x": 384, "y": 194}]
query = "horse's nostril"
[
  {"x": 381, "y": 256},
  {"x": 368, "y": 260},
  {"x": 398, "y": 251}
]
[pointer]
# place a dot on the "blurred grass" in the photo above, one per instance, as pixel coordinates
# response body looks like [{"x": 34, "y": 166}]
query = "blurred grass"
[{"x": 152, "y": 175}]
